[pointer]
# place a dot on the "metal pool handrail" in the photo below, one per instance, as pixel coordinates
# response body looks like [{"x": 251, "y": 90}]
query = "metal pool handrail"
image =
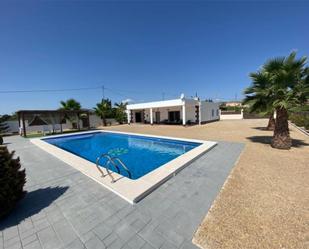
[{"x": 111, "y": 160}]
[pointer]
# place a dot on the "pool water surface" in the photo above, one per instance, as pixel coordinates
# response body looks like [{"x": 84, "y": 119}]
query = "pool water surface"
[{"x": 140, "y": 154}]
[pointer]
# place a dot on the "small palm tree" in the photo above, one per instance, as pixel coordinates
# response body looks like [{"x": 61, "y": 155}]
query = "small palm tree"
[
  {"x": 103, "y": 110},
  {"x": 120, "y": 112},
  {"x": 288, "y": 75},
  {"x": 259, "y": 96},
  {"x": 288, "y": 85},
  {"x": 70, "y": 105}
]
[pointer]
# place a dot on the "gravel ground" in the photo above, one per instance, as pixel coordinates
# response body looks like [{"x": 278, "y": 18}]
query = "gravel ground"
[{"x": 265, "y": 201}]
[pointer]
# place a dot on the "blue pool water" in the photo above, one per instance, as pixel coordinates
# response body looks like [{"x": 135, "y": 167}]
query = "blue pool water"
[{"x": 140, "y": 154}]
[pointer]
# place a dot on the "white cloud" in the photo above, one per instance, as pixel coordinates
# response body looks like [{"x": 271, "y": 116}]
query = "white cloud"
[{"x": 127, "y": 101}]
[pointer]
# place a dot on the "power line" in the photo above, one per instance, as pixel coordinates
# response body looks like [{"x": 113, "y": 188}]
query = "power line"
[{"x": 49, "y": 90}]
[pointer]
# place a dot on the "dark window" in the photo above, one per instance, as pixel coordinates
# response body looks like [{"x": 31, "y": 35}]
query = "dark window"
[
  {"x": 217, "y": 112},
  {"x": 174, "y": 116},
  {"x": 213, "y": 112}
]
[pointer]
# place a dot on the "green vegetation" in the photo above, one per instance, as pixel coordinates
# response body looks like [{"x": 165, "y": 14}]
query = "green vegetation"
[
  {"x": 120, "y": 113},
  {"x": 300, "y": 119},
  {"x": 12, "y": 181},
  {"x": 281, "y": 84},
  {"x": 3, "y": 129},
  {"x": 104, "y": 110},
  {"x": 259, "y": 97},
  {"x": 70, "y": 104}
]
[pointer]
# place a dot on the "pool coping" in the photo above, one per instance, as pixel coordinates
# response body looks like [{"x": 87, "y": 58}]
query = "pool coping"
[{"x": 128, "y": 189}]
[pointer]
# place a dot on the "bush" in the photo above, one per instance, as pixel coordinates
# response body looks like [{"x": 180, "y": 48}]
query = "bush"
[
  {"x": 12, "y": 181},
  {"x": 3, "y": 129},
  {"x": 300, "y": 119}
]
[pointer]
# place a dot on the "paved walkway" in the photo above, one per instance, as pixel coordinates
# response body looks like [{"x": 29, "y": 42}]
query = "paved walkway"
[{"x": 66, "y": 209}]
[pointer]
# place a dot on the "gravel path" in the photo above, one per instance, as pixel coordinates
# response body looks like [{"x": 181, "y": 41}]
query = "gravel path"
[{"x": 265, "y": 202}]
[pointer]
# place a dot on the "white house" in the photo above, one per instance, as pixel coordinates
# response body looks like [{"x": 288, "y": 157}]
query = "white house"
[{"x": 177, "y": 111}]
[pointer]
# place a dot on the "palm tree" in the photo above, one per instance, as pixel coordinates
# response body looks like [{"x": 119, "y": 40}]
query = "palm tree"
[
  {"x": 103, "y": 109},
  {"x": 70, "y": 105},
  {"x": 259, "y": 96},
  {"x": 120, "y": 112},
  {"x": 288, "y": 83}
]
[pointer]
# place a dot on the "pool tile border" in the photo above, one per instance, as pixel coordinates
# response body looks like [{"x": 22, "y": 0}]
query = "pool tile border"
[{"x": 128, "y": 189}]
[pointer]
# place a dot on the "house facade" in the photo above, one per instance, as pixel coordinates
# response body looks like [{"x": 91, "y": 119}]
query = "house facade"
[{"x": 176, "y": 111}]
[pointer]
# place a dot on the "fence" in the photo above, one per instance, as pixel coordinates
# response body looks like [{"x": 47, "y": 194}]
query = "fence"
[{"x": 230, "y": 115}]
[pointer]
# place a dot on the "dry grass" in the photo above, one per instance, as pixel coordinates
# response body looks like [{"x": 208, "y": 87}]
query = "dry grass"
[{"x": 265, "y": 202}]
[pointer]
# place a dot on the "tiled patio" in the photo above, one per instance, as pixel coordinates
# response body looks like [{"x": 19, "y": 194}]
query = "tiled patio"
[{"x": 66, "y": 209}]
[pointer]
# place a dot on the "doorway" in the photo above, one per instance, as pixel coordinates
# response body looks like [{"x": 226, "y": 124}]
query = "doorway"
[
  {"x": 157, "y": 117},
  {"x": 138, "y": 117}
]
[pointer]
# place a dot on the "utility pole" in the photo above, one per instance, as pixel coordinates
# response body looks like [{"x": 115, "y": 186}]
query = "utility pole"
[{"x": 103, "y": 92}]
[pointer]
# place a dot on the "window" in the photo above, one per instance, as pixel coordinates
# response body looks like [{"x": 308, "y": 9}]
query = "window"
[
  {"x": 217, "y": 112},
  {"x": 174, "y": 116},
  {"x": 213, "y": 112}
]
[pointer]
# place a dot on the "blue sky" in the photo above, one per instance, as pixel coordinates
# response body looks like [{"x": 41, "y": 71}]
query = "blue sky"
[{"x": 139, "y": 50}]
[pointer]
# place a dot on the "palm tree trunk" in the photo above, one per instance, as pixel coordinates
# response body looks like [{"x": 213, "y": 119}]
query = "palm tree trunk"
[
  {"x": 281, "y": 138},
  {"x": 104, "y": 121},
  {"x": 271, "y": 122}
]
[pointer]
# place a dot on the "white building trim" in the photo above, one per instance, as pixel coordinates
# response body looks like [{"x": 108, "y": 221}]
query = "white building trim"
[{"x": 176, "y": 111}]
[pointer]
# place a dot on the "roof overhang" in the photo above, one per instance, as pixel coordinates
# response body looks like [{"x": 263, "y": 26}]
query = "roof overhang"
[{"x": 160, "y": 104}]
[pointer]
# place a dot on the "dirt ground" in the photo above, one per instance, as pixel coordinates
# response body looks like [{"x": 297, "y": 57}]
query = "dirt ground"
[{"x": 265, "y": 201}]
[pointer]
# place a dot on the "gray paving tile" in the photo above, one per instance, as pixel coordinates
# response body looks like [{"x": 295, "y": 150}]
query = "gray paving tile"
[
  {"x": 136, "y": 242},
  {"x": 65, "y": 231},
  {"x": 12, "y": 241},
  {"x": 110, "y": 239},
  {"x": 76, "y": 244},
  {"x": 188, "y": 245},
  {"x": 10, "y": 233},
  {"x": 33, "y": 245},
  {"x": 102, "y": 231},
  {"x": 94, "y": 243},
  {"x": 168, "y": 245},
  {"x": 76, "y": 218},
  {"x": 29, "y": 239},
  {"x": 49, "y": 239}
]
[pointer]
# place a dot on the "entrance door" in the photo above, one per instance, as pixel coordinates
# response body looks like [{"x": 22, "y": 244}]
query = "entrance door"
[
  {"x": 174, "y": 117},
  {"x": 138, "y": 117},
  {"x": 85, "y": 122},
  {"x": 157, "y": 117}
]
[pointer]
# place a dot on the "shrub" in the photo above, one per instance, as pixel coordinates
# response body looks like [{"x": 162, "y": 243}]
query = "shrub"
[
  {"x": 12, "y": 181},
  {"x": 3, "y": 129}
]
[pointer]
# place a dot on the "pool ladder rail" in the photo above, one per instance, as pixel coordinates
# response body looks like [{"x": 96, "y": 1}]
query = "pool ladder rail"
[{"x": 111, "y": 160}]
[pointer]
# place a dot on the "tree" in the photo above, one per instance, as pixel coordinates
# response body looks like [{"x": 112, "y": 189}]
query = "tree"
[
  {"x": 103, "y": 109},
  {"x": 289, "y": 88},
  {"x": 121, "y": 112},
  {"x": 70, "y": 105},
  {"x": 3, "y": 129},
  {"x": 259, "y": 96},
  {"x": 12, "y": 181}
]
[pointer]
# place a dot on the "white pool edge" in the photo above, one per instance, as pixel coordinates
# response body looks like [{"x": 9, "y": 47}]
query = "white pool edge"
[{"x": 128, "y": 189}]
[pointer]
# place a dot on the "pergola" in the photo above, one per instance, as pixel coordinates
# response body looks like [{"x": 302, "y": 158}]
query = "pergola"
[{"x": 52, "y": 117}]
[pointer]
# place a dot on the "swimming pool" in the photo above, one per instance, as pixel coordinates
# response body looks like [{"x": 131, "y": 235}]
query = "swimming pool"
[
  {"x": 151, "y": 160},
  {"x": 140, "y": 154}
]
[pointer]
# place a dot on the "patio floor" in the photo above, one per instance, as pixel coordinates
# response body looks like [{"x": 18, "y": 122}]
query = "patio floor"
[{"x": 66, "y": 209}]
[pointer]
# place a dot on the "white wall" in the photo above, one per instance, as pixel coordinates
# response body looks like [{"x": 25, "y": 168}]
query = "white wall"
[
  {"x": 232, "y": 116},
  {"x": 207, "y": 109},
  {"x": 190, "y": 113},
  {"x": 94, "y": 121}
]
